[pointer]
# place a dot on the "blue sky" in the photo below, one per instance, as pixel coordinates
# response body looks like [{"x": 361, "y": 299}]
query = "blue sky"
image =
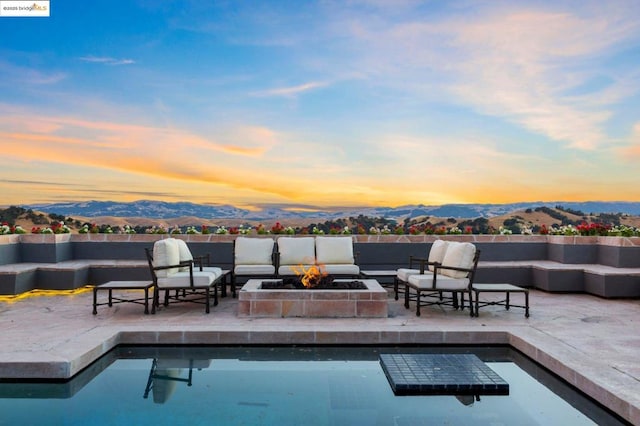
[{"x": 319, "y": 104}]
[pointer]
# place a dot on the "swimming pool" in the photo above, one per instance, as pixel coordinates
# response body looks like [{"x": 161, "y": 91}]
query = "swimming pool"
[{"x": 286, "y": 386}]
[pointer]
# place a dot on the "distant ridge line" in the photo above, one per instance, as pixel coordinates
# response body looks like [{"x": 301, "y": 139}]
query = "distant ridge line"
[{"x": 168, "y": 210}]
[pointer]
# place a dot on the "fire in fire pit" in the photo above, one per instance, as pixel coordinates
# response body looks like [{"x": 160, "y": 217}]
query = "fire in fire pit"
[
  {"x": 326, "y": 283},
  {"x": 311, "y": 276}
]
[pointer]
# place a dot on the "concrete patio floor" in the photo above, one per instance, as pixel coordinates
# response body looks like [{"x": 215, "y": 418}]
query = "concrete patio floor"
[{"x": 593, "y": 343}]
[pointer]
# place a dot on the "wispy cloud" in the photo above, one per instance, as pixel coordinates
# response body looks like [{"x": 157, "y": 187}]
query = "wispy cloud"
[
  {"x": 514, "y": 67},
  {"x": 510, "y": 61},
  {"x": 291, "y": 91},
  {"x": 17, "y": 74},
  {"x": 632, "y": 150},
  {"x": 106, "y": 60}
]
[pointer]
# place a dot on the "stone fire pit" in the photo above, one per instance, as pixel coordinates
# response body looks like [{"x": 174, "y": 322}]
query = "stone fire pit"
[{"x": 253, "y": 301}]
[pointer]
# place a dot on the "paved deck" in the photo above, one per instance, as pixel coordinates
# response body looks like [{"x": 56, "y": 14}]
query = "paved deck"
[{"x": 592, "y": 343}]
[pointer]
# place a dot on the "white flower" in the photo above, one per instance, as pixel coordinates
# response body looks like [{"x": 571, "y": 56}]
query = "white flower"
[
  {"x": 192, "y": 230},
  {"x": 505, "y": 231},
  {"x": 525, "y": 230},
  {"x": 455, "y": 230},
  {"x": 222, "y": 230}
]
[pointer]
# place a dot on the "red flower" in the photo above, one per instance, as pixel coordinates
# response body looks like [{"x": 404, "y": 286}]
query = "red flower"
[{"x": 277, "y": 228}]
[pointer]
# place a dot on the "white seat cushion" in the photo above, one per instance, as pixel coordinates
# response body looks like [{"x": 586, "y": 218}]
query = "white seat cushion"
[
  {"x": 403, "y": 274},
  {"x": 420, "y": 282},
  {"x": 341, "y": 269},
  {"x": 437, "y": 252},
  {"x": 254, "y": 270},
  {"x": 213, "y": 269},
  {"x": 296, "y": 251},
  {"x": 334, "y": 251},
  {"x": 182, "y": 280},
  {"x": 166, "y": 253},
  {"x": 425, "y": 282},
  {"x": 452, "y": 284},
  {"x": 459, "y": 255},
  {"x": 253, "y": 251}
]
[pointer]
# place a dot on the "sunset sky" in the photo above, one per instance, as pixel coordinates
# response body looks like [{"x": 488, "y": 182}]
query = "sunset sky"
[{"x": 321, "y": 103}]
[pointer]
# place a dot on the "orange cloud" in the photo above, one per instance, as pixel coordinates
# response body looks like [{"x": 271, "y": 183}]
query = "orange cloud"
[{"x": 161, "y": 153}]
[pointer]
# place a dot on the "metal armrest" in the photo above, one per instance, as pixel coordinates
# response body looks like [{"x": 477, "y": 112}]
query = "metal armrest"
[
  {"x": 179, "y": 265},
  {"x": 199, "y": 261},
  {"x": 424, "y": 263},
  {"x": 453, "y": 268}
]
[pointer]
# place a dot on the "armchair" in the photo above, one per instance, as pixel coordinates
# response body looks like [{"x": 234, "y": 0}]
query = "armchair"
[
  {"x": 426, "y": 266},
  {"x": 169, "y": 273},
  {"x": 252, "y": 257},
  {"x": 455, "y": 274}
]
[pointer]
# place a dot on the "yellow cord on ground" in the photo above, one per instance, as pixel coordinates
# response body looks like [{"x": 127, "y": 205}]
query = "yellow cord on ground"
[{"x": 37, "y": 293}]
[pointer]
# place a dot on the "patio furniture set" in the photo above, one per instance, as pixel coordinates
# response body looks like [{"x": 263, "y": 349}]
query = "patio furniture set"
[{"x": 442, "y": 278}]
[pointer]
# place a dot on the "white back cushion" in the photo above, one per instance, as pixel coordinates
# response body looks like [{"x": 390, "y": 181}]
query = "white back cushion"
[
  {"x": 166, "y": 253},
  {"x": 459, "y": 255},
  {"x": 297, "y": 251},
  {"x": 185, "y": 253},
  {"x": 334, "y": 250},
  {"x": 437, "y": 252},
  {"x": 253, "y": 251}
]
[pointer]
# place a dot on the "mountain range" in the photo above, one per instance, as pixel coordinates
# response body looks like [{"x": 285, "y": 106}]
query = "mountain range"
[{"x": 167, "y": 210}]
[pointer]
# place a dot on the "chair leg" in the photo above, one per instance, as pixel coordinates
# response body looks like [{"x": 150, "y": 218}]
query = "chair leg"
[
  {"x": 417, "y": 303},
  {"x": 406, "y": 296},
  {"x": 207, "y": 300},
  {"x": 166, "y": 297},
  {"x": 215, "y": 294},
  {"x": 233, "y": 285},
  {"x": 395, "y": 287}
]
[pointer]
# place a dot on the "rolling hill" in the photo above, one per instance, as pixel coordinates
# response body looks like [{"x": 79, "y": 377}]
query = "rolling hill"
[{"x": 152, "y": 213}]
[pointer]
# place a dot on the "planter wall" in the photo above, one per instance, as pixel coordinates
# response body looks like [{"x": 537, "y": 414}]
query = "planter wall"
[
  {"x": 9, "y": 249},
  {"x": 374, "y": 251},
  {"x": 520, "y": 260},
  {"x": 45, "y": 248}
]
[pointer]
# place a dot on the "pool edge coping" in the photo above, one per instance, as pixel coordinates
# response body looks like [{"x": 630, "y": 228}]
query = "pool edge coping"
[{"x": 565, "y": 362}]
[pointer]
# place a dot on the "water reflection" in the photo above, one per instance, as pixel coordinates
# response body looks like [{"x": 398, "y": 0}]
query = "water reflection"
[{"x": 287, "y": 385}]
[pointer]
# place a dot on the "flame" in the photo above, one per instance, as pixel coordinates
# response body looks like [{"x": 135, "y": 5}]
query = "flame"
[{"x": 311, "y": 276}]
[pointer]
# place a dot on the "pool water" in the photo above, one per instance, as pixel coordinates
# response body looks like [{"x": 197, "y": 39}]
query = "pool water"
[{"x": 286, "y": 386}]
